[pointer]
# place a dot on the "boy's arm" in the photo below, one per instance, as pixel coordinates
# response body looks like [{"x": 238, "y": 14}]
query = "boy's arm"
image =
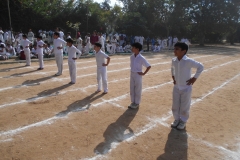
[
  {"x": 173, "y": 73},
  {"x": 199, "y": 66},
  {"x": 106, "y": 64},
  {"x": 143, "y": 73}
]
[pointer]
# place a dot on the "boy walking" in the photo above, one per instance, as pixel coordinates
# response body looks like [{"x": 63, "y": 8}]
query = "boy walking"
[
  {"x": 72, "y": 50},
  {"x": 101, "y": 68},
  {"x": 40, "y": 45},
  {"x": 137, "y": 61},
  {"x": 181, "y": 74},
  {"x": 58, "y": 44}
]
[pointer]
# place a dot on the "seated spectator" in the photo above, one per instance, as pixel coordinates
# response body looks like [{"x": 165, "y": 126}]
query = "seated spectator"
[
  {"x": 128, "y": 48},
  {"x": 21, "y": 54}
]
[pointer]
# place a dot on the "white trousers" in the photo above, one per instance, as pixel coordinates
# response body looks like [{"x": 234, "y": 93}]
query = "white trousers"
[
  {"x": 170, "y": 45},
  {"x": 135, "y": 87},
  {"x": 27, "y": 55},
  {"x": 181, "y": 103},
  {"x": 88, "y": 46},
  {"x": 40, "y": 60},
  {"x": 59, "y": 61},
  {"x": 113, "y": 48},
  {"x": 72, "y": 70},
  {"x": 102, "y": 79}
]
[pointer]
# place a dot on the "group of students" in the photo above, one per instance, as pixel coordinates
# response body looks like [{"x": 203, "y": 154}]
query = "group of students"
[{"x": 180, "y": 69}]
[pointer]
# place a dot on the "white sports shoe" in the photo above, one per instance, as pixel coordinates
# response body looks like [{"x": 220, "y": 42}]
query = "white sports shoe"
[
  {"x": 130, "y": 106},
  {"x": 181, "y": 125},
  {"x": 133, "y": 106},
  {"x": 175, "y": 123}
]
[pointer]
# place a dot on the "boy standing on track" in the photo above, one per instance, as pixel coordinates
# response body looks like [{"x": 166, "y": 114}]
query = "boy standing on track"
[
  {"x": 101, "y": 68},
  {"x": 40, "y": 46},
  {"x": 72, "y": 50},
  {"x": 137, "y": 61},
  {"x": 58, "y": 44},
  {"x": 25, "y": 44},
  {"x": 181, "y": 74}
]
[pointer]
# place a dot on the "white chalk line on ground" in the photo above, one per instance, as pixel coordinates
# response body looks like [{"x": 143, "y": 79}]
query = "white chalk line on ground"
[
  {"x": 153, "y": 123},
  {"x": 112, "y": 100},
  {"x": 90, "y": 86},
  {"x": 79, "y": 68},
  {"x": 54, "y": 79}
]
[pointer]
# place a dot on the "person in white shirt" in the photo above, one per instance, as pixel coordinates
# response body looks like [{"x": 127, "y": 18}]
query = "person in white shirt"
[
  {"x": 25, "y": 43},
  {"x": 72, "y": 56},
  {"x": 58, "y": 44},
  {"x": 68, "y": 35},
  {"x": 79, "y": 43},
  {"x": 5, "y": 36},
  {"x": 170, "y": 40},
  {"x": 136, "y": 63},
  {"x": 88, "y": 43},
  {"x": 10, "y": 50},
  {"x": 101, "y": 41},
  {"x": 1, "y": 35},
  {"x": 114, "y": 44},
  {"x": 30, "y": 35},
  {"x": 109, "y": 50},
  {"x": 128, "y": 48},
  {"x": 175, "y": 40},
  {"x": 157, "y": 48},
  {"x": 39, "y": 51},
  {"x": 141, "y": 39},
  {"x": 61, "y": 34},
  {"x": 181, "y": 75},
  {"x": 101, "y": 68}
]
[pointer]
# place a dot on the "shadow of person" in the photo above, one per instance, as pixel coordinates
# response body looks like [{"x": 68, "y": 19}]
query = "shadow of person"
[
  {"x": 36, "y": 81},
  {"x": 9, "y": 69},
  {"x": 20, "y": 74},
  {"x": 176, "y": 146},
  {"x": 49, "y": 92},
  {"x": 117, "y": 132},
  {"x": 80, "y": 105}
]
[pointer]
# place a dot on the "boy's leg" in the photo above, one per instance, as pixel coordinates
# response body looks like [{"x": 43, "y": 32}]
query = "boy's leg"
[
  {"x": 28, "y": 58},
  {"x": 72, "y": 71},
  {"x": 176, "y": 103},
  {"x": 104, "y": 79},
  {"x": 59, "y": 61},
  {"x": 99, "y": 79},
  {"x": 40, "y": 59},
  {"x": 132, "y": 87},
  {"x": 138, "y": 88},
  {"x": 185, "y": 103}
]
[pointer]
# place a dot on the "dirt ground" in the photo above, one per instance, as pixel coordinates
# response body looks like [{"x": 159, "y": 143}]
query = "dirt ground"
[{"x": 43, "y": 117}]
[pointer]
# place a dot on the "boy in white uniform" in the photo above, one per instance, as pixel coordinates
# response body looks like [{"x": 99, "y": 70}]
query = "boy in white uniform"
[
  {"x": 137, "y": 61},
  {"x": 101, "y": 68},
  {"x": 1, "y": 34},
  {"x": 181, "y": 74},
  {"x": 79, "y": 43},
  {"x": 175, "y": 40},
  {"x": 25, "y": 43},
  {"x": 40, "y": 46},
  {"x": 58, "y": 44},
  {"x": 72, "y": 50},
  {"x": 114, "y": 43}
]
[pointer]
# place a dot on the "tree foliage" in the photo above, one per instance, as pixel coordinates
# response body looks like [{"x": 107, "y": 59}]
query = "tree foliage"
[{"x": 199, "y": 20}]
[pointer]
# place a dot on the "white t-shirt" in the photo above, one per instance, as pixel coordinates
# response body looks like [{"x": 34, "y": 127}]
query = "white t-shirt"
[
  {"x": 25, "y": 44},
  {"x": 137, "y": 63},
  {"x": 100, "y": 58},
  {"x": 58, "y": 43},
  {"x": 72, "y": 53},
  {"x": 39, "y": 49},
  {"x": 61, "y": 34}
]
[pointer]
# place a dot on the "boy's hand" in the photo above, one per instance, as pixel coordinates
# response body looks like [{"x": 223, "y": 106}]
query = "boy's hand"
[
  {"x": 174, "y": 82},
  {"x": 59, "y": 47},
  {"x": 141, "y": 73},
  {"x": 104, "y": 64},
  {"x": 191, "y": 81},
  {"x": 74, "y": 58}
]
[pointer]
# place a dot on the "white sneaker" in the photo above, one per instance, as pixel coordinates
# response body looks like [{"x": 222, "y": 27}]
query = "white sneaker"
[
  {"x": 175, "y": 123},
  {"x": 181, "y": 125},
  {"x": 134, "y": 106},
  {"x": 130, "y": 106}
]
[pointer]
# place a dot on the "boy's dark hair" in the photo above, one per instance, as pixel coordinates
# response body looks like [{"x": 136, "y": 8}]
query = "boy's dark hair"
[
  {"x": 21, "y": 47},
  {"x": 24, "y": 35},
  {"x": 182, "y": 45},
  {"x": 137, "y": 45},
  {"x": 98, "y": 45},
  {"x": 56, "y": 33},
  {"x": 69, "y": 40},
  {"x": 40, "y": 37}
]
